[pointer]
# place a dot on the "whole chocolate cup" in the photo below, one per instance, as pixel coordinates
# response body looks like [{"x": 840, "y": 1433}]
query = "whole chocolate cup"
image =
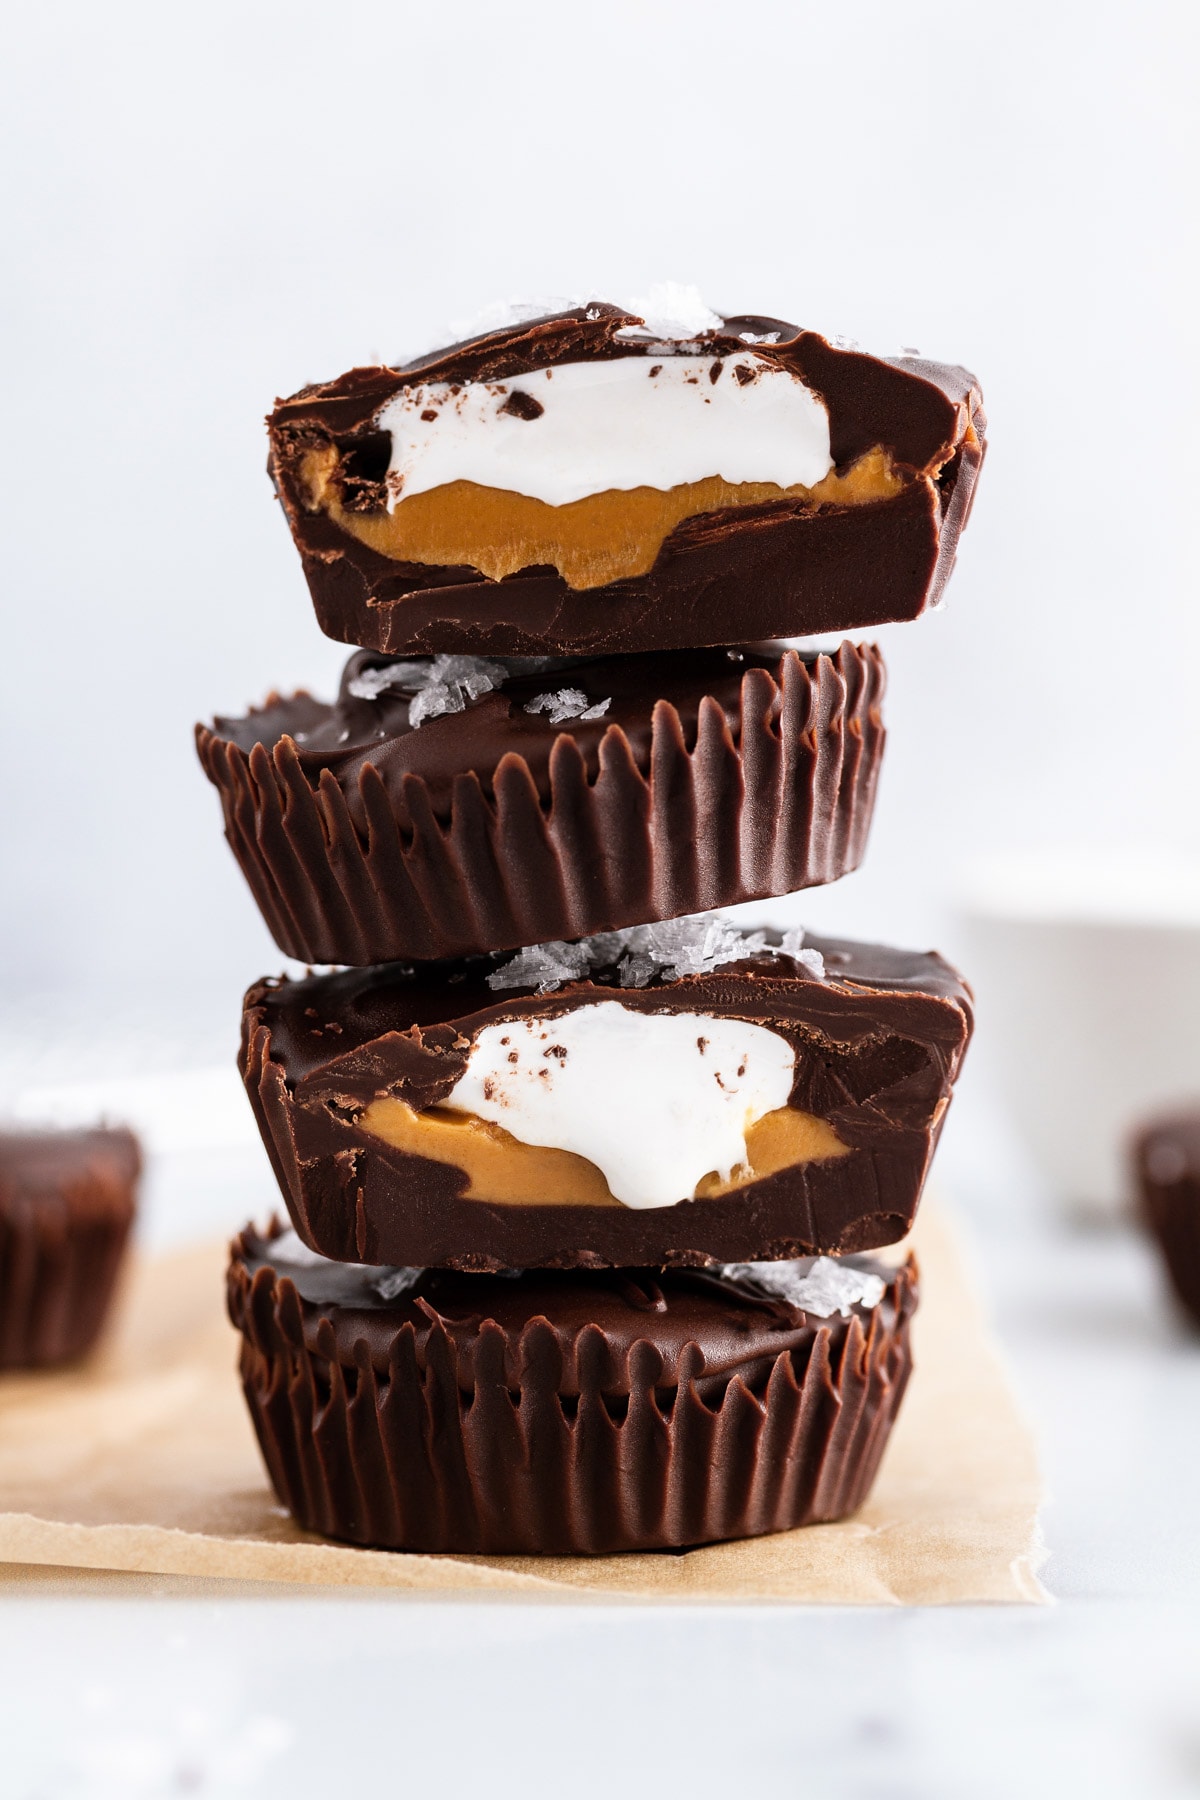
[
  {"x": 569, "y": 1414},
  {"x": 785, "y": 568},
  {"x": 67, "y": 1201},
  {"x": 878, "y": 1041},
  {"x": 714, "y": 783},
  {"x": 1167, "y": 1165}
]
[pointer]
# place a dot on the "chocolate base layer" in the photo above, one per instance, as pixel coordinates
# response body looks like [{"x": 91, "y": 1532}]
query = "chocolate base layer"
[
  {"x": 878, "y": 1045},
  {"x": 714, "y": 777},
  {"x": 1167, "y": 1166},
  {"x": 67, "y": 1201},
  {"x": 570, "y": 1414},
  {"x": 785, "y": 568}
]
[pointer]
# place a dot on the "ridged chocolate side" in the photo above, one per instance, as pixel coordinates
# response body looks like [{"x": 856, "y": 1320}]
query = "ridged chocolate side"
[
  {"x": 1167, "y": 1164},
  {"x": 67, "y": 1202},
  {"x": 413, "y": 1440},
  {"x": 700, "y": 819}
]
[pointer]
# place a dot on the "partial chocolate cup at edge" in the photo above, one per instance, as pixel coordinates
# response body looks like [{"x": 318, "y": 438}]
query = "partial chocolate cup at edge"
[
  {"x": 1166, "y": 1161},
  {"x": 67, "y": 1202},
  {"x": 694, "y": 807},
  {"x": 570, "y": 1414}
]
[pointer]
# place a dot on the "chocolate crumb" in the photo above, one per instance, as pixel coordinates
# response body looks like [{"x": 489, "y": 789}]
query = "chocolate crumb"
[
  {"x": 656, "y": 370},
  {"x": 522, "y": 406},
  {"x": 429, "y": 415},
  {"x": 714, "y": 370},
  {"x": 702, "y": 1044}
]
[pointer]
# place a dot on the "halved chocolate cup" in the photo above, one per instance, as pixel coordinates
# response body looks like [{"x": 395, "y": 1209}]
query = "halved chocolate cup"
[
  {"x": 849, "y": 553},
  {"x": 382, "y": 1158}
]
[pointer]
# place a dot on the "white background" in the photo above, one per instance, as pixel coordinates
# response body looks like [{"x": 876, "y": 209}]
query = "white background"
[{"x": 208, "y": 206}]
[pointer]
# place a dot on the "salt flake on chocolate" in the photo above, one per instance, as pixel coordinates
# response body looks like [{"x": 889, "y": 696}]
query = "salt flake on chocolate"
[
  {"x": 288, "y": 1251},
  {"x": 389, "y": 1284},
  {"x": 368, "y": 684},
  {"x": 542, "y": 966},
  {"x": 791, "y": 944},
  {"x": 641, "y": 954},
  {"x": 501, "y": 315},
  {"x": 673, "y": 310},
  {"x": 679, "y": 947},
  {"x": 826, "y": 1288},
  {"x": 448, "y": 684},
  {"x": 567, "y": 703}
]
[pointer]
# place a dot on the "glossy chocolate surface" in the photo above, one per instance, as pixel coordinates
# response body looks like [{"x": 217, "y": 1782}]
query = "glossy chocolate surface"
[
  {"x": 577, "y": 1413},
  {"x": 878, "y": 1045},
  {"x": 714, "y": 776},
  {"x": 735, "y": 1322},
  {"x": 780, "y": 569},
  {"x": 67, "y": 1202}
]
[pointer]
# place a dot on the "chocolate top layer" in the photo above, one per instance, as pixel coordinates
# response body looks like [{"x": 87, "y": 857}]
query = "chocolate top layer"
[
  {"x": 39, "y": 1162},
  {"x": 898, "y": 1017},
  {"x": 692, "y": 1322},
  {"x": 917, "y": 410},
  {"x": 352, "y": 732}
]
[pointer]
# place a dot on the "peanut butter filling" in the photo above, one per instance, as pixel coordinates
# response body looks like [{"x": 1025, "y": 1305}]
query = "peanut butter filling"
[
  {"x": 504, "y": 1171},
  {"x": 605, "y": 537}
]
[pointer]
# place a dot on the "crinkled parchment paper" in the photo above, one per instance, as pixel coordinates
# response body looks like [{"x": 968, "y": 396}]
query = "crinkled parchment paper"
[{"x": 145, "y": 1460}]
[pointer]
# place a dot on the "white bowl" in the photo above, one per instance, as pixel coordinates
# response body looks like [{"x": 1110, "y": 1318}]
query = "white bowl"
[{"x": 1087, "y": 971}]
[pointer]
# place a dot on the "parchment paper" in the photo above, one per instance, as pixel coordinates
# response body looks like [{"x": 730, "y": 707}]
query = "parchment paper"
[{"x": 145, "y": 1460}]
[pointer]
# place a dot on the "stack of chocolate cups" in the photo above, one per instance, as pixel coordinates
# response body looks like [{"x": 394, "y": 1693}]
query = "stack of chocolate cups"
[{"x": 584, "y": 1179}]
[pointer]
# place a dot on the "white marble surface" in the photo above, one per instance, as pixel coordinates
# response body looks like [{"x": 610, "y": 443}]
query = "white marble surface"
[{"x": 124, "y": 1687}]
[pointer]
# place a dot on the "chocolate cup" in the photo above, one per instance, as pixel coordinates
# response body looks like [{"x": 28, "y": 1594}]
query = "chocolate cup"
[
  {"x": 878, "y": 1042},
  {"x": 67, "y": 1201},
  {"x": 699, "y": 799},
  {"x": 783, "y": 569},
  {"x": 1166, "y": 1158},
  {"x": 567, "y": 1415}
]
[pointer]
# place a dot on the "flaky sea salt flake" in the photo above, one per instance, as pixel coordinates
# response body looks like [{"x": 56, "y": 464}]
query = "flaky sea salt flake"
[
  {"x": 452, "y": 683},
  {"x": 389, "y": 1284},
  {"x": 675, "y": 310},
  {"x": 368, "y": 684},
  {"x": 824, "y": 1288},
  {"x": 567, "y": 703},
  {"x": 542, "y": 966}
]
